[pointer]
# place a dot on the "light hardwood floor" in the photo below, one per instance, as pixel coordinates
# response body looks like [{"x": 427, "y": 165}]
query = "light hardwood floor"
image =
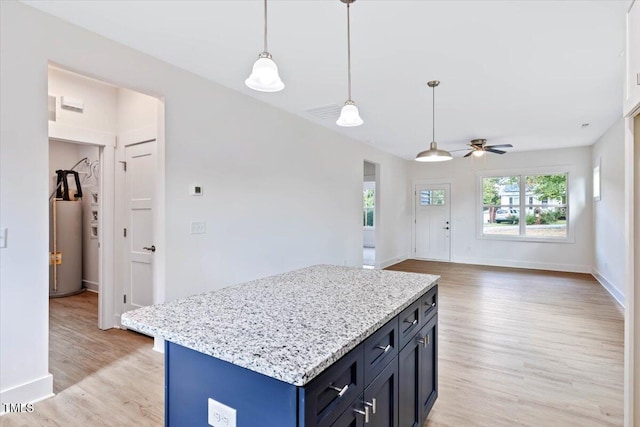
[
  {"x": 525, "y": 348},
  {"x": 517, "y": 348},
  {"x": 100, "y": 378}
]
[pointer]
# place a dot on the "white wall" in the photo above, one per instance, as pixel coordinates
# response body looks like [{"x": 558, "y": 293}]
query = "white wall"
[
  {"x": 608, "y": 212},
  {"x": 279, "y": 192},
  {"x": 467, "y": 247}
]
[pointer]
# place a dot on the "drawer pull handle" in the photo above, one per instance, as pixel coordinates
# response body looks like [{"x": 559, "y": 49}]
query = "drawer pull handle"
[
  {"x": 433, "y": 304},
  {"x": 365, "y": 413},
  {"x": 425, "y": 341},
  {"x": 372, "y": 405},
  {"x": 414, "y": 322},
  {"x": 341, "y": 391},
  {"x": 384, "y": 350}
]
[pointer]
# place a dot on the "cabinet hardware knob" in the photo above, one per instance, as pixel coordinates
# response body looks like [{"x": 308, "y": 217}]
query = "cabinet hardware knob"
[
  {"x": 384, "y": 349},
  {"x": 373, "y": 404},
  {"x": 341, "y": 391},
  {"x": 152, "y": 248},
  {"x": 446, "y": 228},
  {"x": 365, "y": 413},
  {"x": 414, "y": 322},
  {"x": 433, "y": 304}
]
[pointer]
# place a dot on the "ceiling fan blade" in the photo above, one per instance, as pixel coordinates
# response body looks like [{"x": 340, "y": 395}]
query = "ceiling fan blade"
[
  {"x": 491, "y": 150},
  {"x": 468, "y": 154},
  {"x": 498, "y": 146}
]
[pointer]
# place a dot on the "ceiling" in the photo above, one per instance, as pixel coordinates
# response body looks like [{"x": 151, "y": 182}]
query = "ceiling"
[{"x": 529, "y": 73}]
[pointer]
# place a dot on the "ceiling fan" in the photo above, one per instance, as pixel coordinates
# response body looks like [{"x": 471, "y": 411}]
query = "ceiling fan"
[{"x": 479, "y": 147}]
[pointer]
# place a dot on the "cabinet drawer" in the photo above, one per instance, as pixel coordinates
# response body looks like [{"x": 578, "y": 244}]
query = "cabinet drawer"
[
  {"x": 409, "y": 322},
  {"x": 328, "y": 395},
  {"x": 353, "y": 416},
  {"x": 380, "y": 349},
  {"x": 430, "y": 304}
]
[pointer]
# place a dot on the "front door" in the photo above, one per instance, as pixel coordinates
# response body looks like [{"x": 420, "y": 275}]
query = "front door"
[
  {"x": 432, "y": 222},
  {"x": 139, "y": 192}
]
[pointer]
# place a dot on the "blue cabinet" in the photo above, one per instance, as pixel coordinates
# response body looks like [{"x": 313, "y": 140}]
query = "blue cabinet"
[{"x": 389, "y": 380}]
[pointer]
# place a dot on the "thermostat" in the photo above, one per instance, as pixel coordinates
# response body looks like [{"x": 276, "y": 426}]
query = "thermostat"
[{"x": 196, "y": 190}]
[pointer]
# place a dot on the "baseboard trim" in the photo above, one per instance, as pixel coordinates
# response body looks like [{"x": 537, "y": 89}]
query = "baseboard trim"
[
  {"x": 391, "y": 262},
  {"x": 609, "y": 287},
  {"x": 91, "y": 286},
  {"x": 31, "y": 392},
  {"x": 571, "y": 268}
]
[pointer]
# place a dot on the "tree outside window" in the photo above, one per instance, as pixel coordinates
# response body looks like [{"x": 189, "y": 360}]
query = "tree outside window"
[
  {"x": 368, "y": 198},
  {"x": 544, "y": 215}
]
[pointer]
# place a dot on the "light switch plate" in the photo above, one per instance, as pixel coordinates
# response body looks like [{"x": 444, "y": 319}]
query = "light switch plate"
[
  {"x": 198, "y": 227},
  {"x": 221, "y": 415},
  {"x": 3, "y": 237}
]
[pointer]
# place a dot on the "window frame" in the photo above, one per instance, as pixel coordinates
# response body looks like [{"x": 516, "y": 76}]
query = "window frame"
[{"x": 522, "y": 205}]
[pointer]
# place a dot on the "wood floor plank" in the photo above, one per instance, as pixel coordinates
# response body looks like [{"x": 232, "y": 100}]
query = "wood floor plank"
[
  {"x": 525, "y": 348},
  {"x": 517, "y": 348}
]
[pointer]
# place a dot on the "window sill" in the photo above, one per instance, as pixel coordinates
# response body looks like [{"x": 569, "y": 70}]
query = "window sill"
[{"x": 527, "y": 239}]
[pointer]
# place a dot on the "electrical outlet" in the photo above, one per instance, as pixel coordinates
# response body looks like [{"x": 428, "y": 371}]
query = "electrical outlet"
[
  {"x": 198, "y": 227},
  {"x": 221, "y": 415}
]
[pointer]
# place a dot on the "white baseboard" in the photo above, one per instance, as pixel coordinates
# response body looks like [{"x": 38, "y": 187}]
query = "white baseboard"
[
  {"x": 31, "y": 392},
  {"x": 391, "y": 261},
  {"x": 610, "y": 287},
  {"x": 91, "y": 286},
  {"x": 158, "y": 344},
  {"x": 571, "y": 268}
]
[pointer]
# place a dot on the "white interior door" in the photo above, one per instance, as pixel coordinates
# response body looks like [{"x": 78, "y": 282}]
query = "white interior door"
[
  {"x": 140, "y": 247},
  {"x": 432, "y": 222}
]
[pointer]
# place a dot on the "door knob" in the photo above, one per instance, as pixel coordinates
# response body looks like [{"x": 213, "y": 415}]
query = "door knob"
[{"x": 152, "y": 248}]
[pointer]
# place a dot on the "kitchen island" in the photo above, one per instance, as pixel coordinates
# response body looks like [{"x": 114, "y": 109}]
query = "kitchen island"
[{"x": 320, "y": 346}]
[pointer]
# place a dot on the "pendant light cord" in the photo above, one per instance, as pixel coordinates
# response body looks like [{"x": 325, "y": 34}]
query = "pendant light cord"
[
  {"x": 265, "y": 26},
  {"x": 349, "y": 50},
  {"x": 434, "y": 114}
]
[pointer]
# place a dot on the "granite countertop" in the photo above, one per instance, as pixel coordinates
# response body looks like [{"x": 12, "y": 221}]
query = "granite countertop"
[{"x": 289, "y": 327}]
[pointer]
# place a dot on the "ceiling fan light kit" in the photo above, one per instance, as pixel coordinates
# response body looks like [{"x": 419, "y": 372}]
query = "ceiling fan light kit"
[
  {"x": 433, "y": 154},
  {"x": 349, "y": 115},
  {"x": 264, "y": 75},
  {"x": 479, "y": 147}
]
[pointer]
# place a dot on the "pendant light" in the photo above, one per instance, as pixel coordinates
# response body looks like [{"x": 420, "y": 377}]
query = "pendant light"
[
  {"x": 349, "y": 115},
  {"x": 433, "y": 154},
  {"x": 264, "y": 76}
]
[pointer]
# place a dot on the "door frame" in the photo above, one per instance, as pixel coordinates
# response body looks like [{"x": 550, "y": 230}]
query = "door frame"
[
  {"x": 414, "y": 191},
  {"x": 109, "y": 254},
  {"x": 134, "y": 137}
]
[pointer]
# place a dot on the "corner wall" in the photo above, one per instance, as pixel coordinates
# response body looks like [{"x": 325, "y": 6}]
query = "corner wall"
[{"x": 608, "y": 213}]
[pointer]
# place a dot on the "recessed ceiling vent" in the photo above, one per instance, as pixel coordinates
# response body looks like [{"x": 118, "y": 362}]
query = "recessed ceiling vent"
[{"x": 324, "y": 112}]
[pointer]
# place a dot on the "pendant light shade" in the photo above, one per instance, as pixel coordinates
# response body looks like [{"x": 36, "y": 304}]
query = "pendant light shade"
[
  {"x": 433, "y": 154},
  {"x": 349, "y": 115},
  {"x": 264, "y": 76}
]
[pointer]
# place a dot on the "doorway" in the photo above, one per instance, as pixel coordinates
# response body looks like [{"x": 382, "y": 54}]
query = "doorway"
[
  {"x": 432, "y": 220},
  {"x": 370, "y": 215}
]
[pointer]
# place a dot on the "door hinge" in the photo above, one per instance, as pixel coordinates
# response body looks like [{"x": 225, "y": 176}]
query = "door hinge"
[
  {"x": 125, "y": 298},
  {"x": 124, "y": 165},
  {"x": 124, "y": 233}
]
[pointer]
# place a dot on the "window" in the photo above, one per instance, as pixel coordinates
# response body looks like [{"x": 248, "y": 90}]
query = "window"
[
  {"x": 543, "y": 216},
  {"x": 431, "y": 197},
  {"x": 368, "y": 199}
]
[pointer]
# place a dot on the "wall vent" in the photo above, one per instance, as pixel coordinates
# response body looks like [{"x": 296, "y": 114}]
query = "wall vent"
[
  {"x": 324, "y": 112},
  {"x": 52, "y": 108}
]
